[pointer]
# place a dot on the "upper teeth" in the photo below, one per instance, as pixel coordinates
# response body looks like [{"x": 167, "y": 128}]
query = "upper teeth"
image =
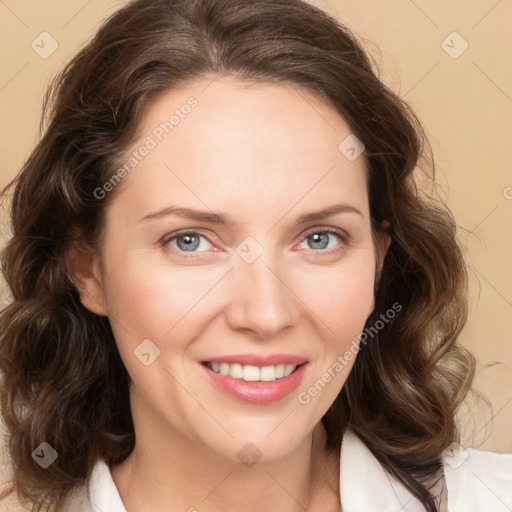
[{"x": 253, "y": 373}]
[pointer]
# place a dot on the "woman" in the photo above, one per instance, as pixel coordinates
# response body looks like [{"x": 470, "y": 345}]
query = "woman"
[{"x": 227, "y": 291}]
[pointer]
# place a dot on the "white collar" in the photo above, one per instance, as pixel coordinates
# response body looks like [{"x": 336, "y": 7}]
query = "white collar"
[{"x": 365, "y": 485}]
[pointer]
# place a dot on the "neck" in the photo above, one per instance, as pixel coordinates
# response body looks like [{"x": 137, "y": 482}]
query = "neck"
[{"x": 192, "y": 478}]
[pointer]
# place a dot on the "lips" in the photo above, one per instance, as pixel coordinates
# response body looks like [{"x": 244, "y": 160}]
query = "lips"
[{"x": 253, "y": 378}]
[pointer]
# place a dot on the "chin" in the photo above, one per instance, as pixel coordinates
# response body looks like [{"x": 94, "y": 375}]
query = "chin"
[{"x": 265, "y": 441}]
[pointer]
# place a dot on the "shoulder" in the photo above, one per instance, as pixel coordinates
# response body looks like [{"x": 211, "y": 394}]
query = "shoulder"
[{"x": 478, "y": 480}]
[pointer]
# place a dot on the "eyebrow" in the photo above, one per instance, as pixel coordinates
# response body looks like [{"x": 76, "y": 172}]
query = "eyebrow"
[{"x": 215, "y": 218}]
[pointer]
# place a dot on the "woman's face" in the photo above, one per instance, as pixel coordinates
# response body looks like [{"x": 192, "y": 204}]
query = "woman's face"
[{"x": 206, "y": 266}]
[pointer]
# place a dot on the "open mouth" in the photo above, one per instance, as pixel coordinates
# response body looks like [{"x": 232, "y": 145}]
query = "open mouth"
[
  {"x": 256, "y": 384},
  {"x": 250, "y": 373}
]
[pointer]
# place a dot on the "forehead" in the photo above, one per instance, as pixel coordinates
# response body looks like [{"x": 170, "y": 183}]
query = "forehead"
[
  {"x": 226, "y": 110},
  {"x": 255, "y": 147}
]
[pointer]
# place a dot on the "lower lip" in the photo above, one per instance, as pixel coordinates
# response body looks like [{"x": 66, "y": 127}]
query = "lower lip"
[{"x": 257, "y": 392}]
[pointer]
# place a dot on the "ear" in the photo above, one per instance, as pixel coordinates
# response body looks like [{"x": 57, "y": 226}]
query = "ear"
[
  {"x": 383, "y": 241},
  {"x": 84, "y": 270}
]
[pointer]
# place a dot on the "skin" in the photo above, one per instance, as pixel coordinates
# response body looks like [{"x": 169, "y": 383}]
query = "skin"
[{"x": 261, "y": 155}]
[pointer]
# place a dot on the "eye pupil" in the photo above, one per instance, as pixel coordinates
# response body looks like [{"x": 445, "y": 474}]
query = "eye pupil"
[
  {"x": 191, "y": 242},
  {"x": 317, "y": 239}
]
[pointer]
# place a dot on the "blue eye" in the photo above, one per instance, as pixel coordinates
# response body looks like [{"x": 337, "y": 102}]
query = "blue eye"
[
  {"x": 187, "y": 241},
  {"x": 320, "y": 240}
]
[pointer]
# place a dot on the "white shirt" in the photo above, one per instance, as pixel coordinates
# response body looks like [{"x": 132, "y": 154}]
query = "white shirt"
[{"x": 477, "y": 481}]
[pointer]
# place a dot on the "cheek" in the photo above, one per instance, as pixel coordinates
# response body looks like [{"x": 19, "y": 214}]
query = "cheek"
[
  {"x": 342, "y": 298},
  {"x": 158, "y": 305},
  {"x": 155, "y": 301}
]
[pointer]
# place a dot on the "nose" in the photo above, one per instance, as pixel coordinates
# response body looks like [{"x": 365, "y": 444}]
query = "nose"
[{"x": 262, "y": 300}]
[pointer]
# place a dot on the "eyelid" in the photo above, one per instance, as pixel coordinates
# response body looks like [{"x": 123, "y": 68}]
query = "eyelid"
[
  {"x": 174, "y": 234},
  {"x": 184, "y": 231},
  {"x": 323, "y": 229}
]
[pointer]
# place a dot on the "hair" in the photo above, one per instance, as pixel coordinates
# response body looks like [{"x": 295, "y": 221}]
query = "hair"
[{"x": 63, "y": 379}]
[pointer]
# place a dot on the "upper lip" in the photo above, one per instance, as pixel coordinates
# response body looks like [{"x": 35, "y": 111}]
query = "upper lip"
[{"x": 258, "y": 359}]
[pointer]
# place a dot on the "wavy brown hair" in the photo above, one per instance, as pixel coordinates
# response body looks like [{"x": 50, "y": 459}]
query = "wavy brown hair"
[{"x": 63, "y": 379}]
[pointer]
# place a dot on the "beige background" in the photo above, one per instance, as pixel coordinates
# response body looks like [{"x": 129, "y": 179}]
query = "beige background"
[{"x": 465, "y": 104}]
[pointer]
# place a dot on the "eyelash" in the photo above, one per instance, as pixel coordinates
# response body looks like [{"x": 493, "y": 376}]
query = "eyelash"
[{"x": 331, "y": 231}]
